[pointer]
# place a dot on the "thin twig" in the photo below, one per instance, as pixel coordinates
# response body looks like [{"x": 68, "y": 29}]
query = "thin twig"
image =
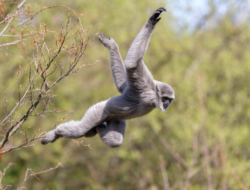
[
  {"x": 164, "y": 173},
  {"x": 81, "y": 143},
  {"x": 94, "y": 175},
  {"x": 11, "y": 43},
  {"x": 21, "y": 145},
  {"x": 13, "y": 110},
  {"x": 35, "y": 174},
  {"x": 7, "y": 25},
  {"x": 4, "y": 171},
  {"x": 44, "y": 70}
]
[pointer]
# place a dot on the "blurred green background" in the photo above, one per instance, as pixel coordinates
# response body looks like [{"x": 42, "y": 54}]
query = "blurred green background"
[{"x": 201, "y": 142}]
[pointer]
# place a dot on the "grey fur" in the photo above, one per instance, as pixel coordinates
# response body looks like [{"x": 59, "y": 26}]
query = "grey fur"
[{"x": 140, "y": 94}]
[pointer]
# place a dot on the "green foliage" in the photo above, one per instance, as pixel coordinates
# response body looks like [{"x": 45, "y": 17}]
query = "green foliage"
[{"x": 203, "y": 136}]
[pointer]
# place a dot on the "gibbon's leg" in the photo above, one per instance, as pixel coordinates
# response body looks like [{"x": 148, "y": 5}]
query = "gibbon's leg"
[
  {"x": 112, "y": 134},
  {"x": 140, "y": 44},
  {"x": 93, "y": 117},
  {"x": 117, "y": 65},
  {"x": 118, "y": 72}
]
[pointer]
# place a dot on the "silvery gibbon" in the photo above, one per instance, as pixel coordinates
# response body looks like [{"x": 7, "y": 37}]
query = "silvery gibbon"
[{"x": 140, "y": 94}]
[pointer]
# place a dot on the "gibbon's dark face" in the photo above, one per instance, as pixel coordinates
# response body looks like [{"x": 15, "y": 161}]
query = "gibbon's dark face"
[
  {"x": 166, "y": 95},
  {"x": 166, "y": 102}
]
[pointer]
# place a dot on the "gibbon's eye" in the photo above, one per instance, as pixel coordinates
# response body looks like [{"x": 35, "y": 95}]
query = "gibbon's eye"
[{"x": 164, "y": 99}]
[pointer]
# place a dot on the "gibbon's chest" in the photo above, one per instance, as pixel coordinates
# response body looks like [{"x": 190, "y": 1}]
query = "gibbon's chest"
[
  {"x": 132, "y": 104},
  {"x": 140, "y": 110},
  {"x": 132, "y": 111},
  {"x": 143, "y": 110}
]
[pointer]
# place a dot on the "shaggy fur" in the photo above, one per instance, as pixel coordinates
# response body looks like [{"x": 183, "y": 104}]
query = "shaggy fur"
[{"x": 140, "y": 94}]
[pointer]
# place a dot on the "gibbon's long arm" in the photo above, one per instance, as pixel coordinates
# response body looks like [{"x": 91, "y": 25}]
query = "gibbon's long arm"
[
  {"x": 139, "y": 77},
  {"x": 118, "y": 70},
  {"x": 93, "y": 117},
  {"x": 111, "y": 133},
  {"x": 140, "y": 44},
  {"x": 117, "y": 65}
]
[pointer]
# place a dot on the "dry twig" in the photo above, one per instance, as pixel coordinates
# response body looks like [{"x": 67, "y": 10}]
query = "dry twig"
[{"x": 42, "y": 65}]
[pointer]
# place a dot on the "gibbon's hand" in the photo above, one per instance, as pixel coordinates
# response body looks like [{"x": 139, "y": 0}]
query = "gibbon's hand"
[{"x": 154, "y": 18}]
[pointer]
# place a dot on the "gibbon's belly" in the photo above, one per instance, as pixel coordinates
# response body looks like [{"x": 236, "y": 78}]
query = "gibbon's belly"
[
  {"x": 143, "y": 110},
  {"x": 132, "y": 112}
]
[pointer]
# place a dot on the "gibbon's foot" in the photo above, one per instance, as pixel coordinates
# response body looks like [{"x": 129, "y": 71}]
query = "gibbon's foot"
[
  {"x": 51, "y": 136},
  {"x": 154, "y": 18},
  {"x": 107, "y": 42}
]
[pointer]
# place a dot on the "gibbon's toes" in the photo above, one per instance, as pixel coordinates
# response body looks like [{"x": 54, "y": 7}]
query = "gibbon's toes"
[
  {"x": 44, "y": 142},
  {"x": 49, "y": 137},
  {"x": 102, "y": 38},
  {"x": 161, "y": 9},
  {"x": 105, "y": 41}
]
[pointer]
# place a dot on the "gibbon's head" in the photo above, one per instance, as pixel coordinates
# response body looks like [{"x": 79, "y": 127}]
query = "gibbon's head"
[{"x": 165, "y": 94}]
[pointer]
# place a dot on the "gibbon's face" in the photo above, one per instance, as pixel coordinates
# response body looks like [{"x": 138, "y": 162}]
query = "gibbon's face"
[{"x": 165, "y": 94}]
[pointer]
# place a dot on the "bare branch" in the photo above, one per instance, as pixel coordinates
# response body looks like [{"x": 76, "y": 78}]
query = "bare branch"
[
  {"x": 14, "y": 109},
  {"x": 44, "y": 70},
  {"x": 81, "y": 143},
  {"x": 11, "y": 43},
  {"x": 11, "y": 18},
  {"x": 18, "y": 124},
  {"x": 4, "y": 171},
  {"x": 164, "y": 173},
  {"x": 27, "y": 175},
  {"x": 25, "y": 144}
]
